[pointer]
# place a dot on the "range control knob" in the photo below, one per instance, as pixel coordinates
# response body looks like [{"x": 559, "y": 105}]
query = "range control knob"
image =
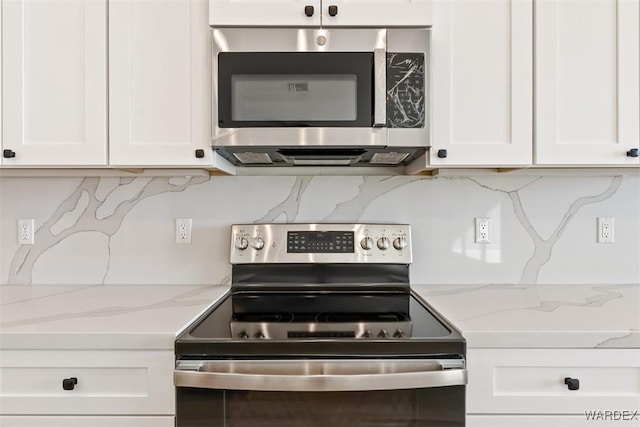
[
  {"x": 383, "y": 243},
  {"x": 242, "y": 243},
  {"x": 398, "y": 334},
  {"x": 244, "y": 335},
  {"x": 259, "y": 335},
  {"x": 258, "y": 243},
  {"x": 400, "y": 243},
  {"x": 383, "y": 334},
  {"x": 366, "y": 243}
]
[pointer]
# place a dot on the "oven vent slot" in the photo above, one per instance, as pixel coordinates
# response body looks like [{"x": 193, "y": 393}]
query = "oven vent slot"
[
  {"x": 250, "y": 158},
  {"x": 390, "y": 158}
]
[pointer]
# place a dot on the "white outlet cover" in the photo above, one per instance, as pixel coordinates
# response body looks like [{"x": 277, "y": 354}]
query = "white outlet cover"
[
  {"x": 183, "y": 231},
  {"x": 26, "y": 232},
  {"x": 606, "y": 230},
  {"x": 483, "y": 230}
]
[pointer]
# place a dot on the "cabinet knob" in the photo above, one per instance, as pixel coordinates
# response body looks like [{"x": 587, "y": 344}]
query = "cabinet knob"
[
  {"x": 8, "y": 154},
  {"x": 69, "y": 383},
  {"x": 199, "y": 153},
  {"x": 308, "y": 10},
  {"x": 442, "y": 154},
  {"x": 333, "y": 10},
  {"x": 572, "y": 383},
  {"x": 634, "y": 152}
]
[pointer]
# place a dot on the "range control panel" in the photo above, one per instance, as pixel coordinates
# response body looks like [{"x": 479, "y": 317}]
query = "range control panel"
[
  {"x": 320, "y": 243},
  {"x": 310, "y": 242}
]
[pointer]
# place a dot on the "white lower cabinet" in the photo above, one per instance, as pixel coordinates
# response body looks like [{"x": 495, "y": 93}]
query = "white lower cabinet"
[
  {"x": 86, "y": 382},
  {"x": 48, "y": 421},
  {"x": 527, "y": 387},
  {"x": 534, "y": 421}
]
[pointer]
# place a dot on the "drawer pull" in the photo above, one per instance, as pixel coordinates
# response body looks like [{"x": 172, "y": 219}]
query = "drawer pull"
[
  {"x": 572, "y": 383},
  {"x": 69, "y": 383}
]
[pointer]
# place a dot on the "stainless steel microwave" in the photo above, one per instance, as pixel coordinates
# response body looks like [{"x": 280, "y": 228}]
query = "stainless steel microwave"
[{"x": 297, "y": 97}]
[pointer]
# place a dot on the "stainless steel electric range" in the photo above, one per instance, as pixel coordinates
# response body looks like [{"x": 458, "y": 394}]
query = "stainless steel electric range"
[{"x": 320, "y": 328}]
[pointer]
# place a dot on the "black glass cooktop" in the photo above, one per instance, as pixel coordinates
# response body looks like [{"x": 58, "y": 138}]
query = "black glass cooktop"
[
  {"x": 210, "y": 336},
  {"x": 320, "y": 308}
]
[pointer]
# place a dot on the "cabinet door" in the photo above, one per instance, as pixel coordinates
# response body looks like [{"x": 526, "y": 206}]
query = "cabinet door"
[
  {"x": 159, "y": 83},
  {"x": 80, "y": 421},
  {"x": 377, "y": 13},
  {"x": 54, "y": 82},
  {"x": 265, "y": 13},
  {"x": 107, "y": 382},
  {"x": 537, "y": 421},
  {"x": 587, "y": 84},
  {"x": 532, "y": 381},
  {"x": 482, "y": 73}
]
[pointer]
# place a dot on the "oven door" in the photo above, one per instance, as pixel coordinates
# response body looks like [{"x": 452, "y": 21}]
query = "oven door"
[{"x": 310, "y": 393}]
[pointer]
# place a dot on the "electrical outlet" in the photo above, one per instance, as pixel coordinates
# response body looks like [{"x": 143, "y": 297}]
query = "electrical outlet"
[
  {"x": 483, "y": 230},
  {"x": 605, "y": 230},
  {"x": 25, "y": 232},
  {"x": 183, "y": 231}
]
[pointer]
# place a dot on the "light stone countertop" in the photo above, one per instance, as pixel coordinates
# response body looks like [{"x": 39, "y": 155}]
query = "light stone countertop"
[
  {"x": 146, "y": 317},
  {"x": 540, "y": 316},
  {"x": 139, "y": 317}
]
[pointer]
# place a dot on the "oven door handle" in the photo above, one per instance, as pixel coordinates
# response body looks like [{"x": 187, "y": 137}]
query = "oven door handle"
[{"x": 314, "y": 375}]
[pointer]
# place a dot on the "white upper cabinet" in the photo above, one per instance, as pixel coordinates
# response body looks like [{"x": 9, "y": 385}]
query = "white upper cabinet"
[
  {"x": 482, "y": 77},
  {"x": 377, "y": 13},
  {"x": 276, "y": 13},
  {"x": 159, "y": 83},
  {"x": 54, "y": 78},
  {"x": 314, "y": 13},
  {"x": 587, "y": 82}
]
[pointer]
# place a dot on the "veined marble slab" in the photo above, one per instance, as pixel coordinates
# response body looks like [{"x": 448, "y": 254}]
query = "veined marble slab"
[
  {"x": 99, "y": 317},
  {"x": 150, "y": 317},
  {"x": 536, "y": 316}
]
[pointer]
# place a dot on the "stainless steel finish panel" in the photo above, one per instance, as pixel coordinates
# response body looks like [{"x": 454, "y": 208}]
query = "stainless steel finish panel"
[
  {"x": 320, "y": 375},
  {"x": 275, "y": 244},
  {"x": 380, "y": 88},
  {"x": 299, "y": 137},
  {"x": 280, "y": 331},
  {"x": 297, "y": 40}
]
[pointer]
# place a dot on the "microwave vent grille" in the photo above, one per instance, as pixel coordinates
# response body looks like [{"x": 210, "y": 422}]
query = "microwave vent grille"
[
  {"x": 390, "y": 158},
  {"x": 251, "y": 158}
]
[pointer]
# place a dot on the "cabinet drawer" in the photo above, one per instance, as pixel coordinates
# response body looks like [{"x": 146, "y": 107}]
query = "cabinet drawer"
[
  {"x": 536, "y": 421},
  {"x": 108, "y": 382},
  {"x": 525, "y": 381},
  {"x": 81, "y": 421}
]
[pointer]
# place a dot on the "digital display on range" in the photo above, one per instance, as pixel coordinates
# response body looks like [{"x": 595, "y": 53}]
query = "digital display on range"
[{"x": 319, "y": 242}]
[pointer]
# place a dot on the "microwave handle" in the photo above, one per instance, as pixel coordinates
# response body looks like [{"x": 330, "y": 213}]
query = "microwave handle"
[{"x": 380, "y": 88}]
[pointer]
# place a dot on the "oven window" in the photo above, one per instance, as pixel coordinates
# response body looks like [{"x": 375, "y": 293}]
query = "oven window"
[
  {"x": 295, "y": 89},
  {"x": 437, "y": 407},
  {"x": 293, "y": 97}
]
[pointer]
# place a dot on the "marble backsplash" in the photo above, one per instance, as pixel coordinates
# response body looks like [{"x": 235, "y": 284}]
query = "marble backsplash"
[{"x": 121, "y": 230}]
